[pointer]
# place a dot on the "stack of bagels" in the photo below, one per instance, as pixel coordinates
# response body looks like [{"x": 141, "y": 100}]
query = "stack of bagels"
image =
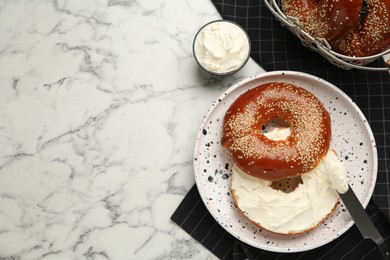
[{"x": 348, "y": 29}]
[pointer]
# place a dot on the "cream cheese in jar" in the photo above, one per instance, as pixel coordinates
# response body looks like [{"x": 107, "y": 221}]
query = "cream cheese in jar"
[{"x": 221, "y": 47}]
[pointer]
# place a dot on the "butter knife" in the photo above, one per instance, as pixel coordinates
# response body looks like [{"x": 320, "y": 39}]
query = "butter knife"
[{"x": 363, "y": 221}]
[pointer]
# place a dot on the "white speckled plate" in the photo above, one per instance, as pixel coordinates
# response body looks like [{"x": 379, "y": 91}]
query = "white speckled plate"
[{"x": 352, "y": 138}]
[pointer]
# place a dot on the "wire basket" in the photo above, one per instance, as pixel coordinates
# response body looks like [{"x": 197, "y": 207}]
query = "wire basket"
[{"x": 321, "y": 45}]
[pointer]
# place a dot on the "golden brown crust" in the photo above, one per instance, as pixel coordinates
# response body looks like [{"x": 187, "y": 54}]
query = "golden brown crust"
[
  {"x": 329, "y": 19},
  {"x": 369, "y": 37},
  {"x": 274, "y": 160},
  {"x": 340, "y": 24}
]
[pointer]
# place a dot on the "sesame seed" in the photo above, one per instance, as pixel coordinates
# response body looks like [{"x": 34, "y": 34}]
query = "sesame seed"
[{"x": 301, "y": 109}]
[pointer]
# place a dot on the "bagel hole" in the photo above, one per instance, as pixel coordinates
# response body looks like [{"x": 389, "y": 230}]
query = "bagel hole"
[
  {"x": 276, "y": 129},
  {"x": 287, "y": 185}
]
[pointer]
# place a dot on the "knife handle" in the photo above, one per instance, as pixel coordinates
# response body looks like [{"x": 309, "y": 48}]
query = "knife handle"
[{"x": 383, "y": 248}]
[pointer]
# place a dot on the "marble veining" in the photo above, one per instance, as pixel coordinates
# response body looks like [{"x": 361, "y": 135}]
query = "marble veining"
[{"x": 100, "y": 102}]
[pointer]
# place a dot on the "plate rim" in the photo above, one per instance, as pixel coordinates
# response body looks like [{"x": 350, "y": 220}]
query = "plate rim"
[{"x": 300, "y": 75}]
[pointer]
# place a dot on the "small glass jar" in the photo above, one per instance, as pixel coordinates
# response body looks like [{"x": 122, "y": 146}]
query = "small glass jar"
[{"x": 221, "y": 47}]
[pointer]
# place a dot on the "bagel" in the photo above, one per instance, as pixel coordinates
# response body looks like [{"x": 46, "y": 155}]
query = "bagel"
[
  {"x": 274, "y": 160},
  {"x": 284, "y": 179},
  {"x": 371, "y": 36},
  {"x": 328, "y": 19},
  {"x": 340, "y": 23},
  {"x": 297, "y": 210}
]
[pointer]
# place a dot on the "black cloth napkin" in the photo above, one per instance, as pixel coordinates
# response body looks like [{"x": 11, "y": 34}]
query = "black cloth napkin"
[
  {"x": 273, "y": 47},
  {"x": 193, "y": 217}
]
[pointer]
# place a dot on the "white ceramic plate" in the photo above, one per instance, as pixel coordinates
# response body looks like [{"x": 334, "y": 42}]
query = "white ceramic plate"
[{"x": 352, "y": 138}]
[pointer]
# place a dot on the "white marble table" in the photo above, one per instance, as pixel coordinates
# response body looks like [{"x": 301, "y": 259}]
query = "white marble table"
[{"x": 100, "y": 102}]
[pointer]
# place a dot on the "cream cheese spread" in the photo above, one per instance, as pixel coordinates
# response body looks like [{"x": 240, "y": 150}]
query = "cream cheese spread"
[
  {"x": 336, "y": 174},
  {"x": 297, "y": 211},
  {"x": 278, "y": 133},
  {"x": 221, "y": 47}
]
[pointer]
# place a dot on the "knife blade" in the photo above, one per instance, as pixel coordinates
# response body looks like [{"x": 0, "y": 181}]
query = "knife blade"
[{"x": 363, "y": 221}]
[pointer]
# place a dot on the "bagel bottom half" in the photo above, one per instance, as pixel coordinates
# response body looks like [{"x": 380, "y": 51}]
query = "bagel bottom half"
[{"x": 291, "y": 211}]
